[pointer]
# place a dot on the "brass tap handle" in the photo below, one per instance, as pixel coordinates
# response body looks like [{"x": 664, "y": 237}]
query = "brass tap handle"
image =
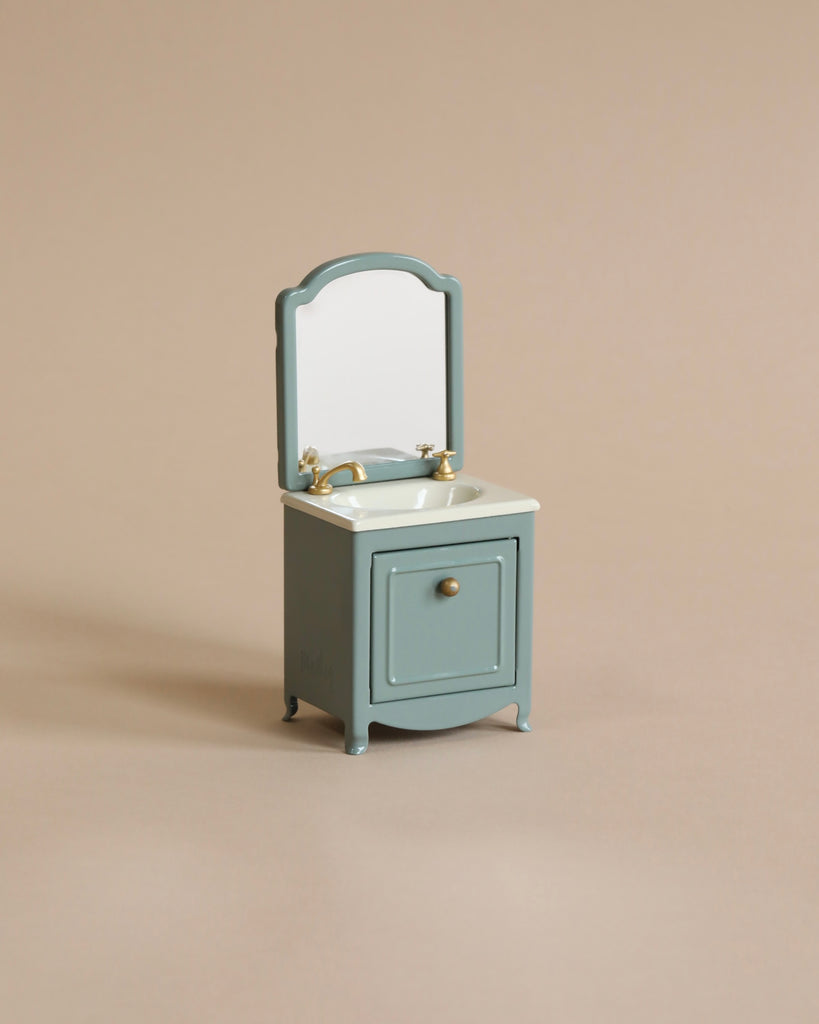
[
  {"x": 309, "y": 459},
  {"x": 424, "y": 449},
  {"x": 449, "y": 587},
  {"x": 444, "y": 471}
]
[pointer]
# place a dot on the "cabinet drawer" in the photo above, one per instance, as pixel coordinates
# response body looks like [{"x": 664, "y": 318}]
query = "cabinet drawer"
[{"x": 424, "y": 642}]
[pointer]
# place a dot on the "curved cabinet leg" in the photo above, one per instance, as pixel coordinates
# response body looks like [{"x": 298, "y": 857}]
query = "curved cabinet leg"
[
  {"x": 523, "y": 718},
  {"x": 292, "y": 705},
  {"x": 355, "y": 739}
]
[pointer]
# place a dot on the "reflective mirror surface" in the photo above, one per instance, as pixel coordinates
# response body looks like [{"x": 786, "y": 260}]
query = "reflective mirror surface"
[{"x": 371, "y": 368}]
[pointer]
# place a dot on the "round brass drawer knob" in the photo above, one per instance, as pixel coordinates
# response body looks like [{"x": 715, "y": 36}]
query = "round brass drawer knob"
[{"x": 449, "y": 587}]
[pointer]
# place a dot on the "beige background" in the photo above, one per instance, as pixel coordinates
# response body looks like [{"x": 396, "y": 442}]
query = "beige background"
[{"x": 628, "y": 192}]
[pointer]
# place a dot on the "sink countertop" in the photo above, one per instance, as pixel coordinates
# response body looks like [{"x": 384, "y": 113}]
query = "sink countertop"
[{"x": 491, "y": 500}]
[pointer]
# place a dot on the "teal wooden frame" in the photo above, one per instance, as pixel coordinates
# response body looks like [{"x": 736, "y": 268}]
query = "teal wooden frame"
[{"x": 290, "y": 299}]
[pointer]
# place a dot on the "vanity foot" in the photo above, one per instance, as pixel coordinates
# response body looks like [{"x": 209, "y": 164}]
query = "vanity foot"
[
  {"x": 292, "y": 705},
  {"x": 523, "y": 720},
  {"x": 355, "y": 742}
]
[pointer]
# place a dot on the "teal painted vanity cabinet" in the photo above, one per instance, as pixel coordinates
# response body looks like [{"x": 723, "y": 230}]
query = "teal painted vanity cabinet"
[{"x": 408, "y": 594}]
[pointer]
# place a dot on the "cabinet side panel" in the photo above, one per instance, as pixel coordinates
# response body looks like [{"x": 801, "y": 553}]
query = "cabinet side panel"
[{"x": 318, "y": 616}]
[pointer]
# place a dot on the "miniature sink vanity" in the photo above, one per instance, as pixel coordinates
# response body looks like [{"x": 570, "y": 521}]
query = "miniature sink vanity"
[{"x": 408, "y": 584}]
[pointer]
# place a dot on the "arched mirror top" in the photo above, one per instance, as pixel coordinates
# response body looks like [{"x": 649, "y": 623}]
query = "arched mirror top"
[{"x": 369, "y": 368}]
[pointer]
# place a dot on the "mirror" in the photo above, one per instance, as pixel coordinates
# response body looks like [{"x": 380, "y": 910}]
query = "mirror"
[{"x": 369, "y": 367}]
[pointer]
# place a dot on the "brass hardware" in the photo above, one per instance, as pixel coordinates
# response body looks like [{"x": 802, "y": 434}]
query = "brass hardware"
[
  {"x": 449, "y": 587},
  {"x": 424, "y": 449},
  {"x": 320, "y": 485},
  {"x": 309, "y": 458},
  {"x": 444, "y": 471}
]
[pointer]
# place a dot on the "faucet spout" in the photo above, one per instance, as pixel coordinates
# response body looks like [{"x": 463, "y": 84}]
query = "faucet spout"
[{"x": 321, "y": 485}]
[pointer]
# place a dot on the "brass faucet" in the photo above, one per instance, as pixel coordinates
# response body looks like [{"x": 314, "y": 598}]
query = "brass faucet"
[
  {"x": 444, "y": 470},
  {"x": 320, "y": 485}
]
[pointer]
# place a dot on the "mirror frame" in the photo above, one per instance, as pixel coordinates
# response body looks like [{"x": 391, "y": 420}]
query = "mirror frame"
[{"x": 290, "y": 299}]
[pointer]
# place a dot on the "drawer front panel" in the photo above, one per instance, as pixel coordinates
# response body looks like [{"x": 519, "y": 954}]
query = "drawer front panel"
[{"x": 424, "y": 642}]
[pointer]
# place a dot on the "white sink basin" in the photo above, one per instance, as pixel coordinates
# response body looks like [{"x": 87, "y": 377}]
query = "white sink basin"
[
  {"x": 401, "y": 495},
  {"x": 414, "y": 502}
]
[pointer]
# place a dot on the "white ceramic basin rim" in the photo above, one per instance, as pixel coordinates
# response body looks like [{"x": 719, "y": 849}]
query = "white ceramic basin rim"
[
  {"x": 404, "y": 495},
  {"x": 417, "y": 501}
]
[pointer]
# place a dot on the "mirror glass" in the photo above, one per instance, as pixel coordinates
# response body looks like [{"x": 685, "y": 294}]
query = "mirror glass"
[{"x": 371, "y": 369}]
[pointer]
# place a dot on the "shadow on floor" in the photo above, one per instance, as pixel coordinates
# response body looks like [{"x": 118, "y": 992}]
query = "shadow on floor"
[{"x": 81, "y": 670}]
